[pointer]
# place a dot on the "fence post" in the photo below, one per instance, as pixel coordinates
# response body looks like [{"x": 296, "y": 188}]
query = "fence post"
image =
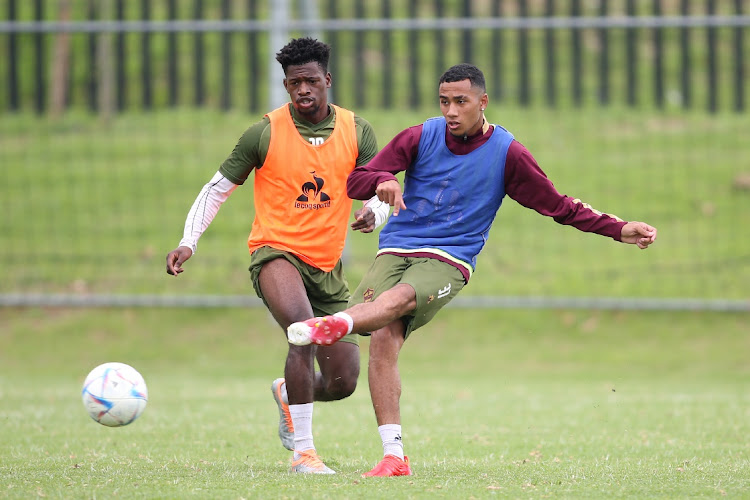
[
  {"x": 252, "y": 47},
  {"x": 550, "y": 85},
  {"x": 278, "y": 37},
  {"x": 739, "y": 56},
  {"x": 309, "y": 9},
  {"x": 13, "y": 59},
  {"x": 387, "y": 50},
  {"x": 199, "y": 97},
  {"x": 711, "y": 65},
  {"x": 577, "y": 62},
  {"x": 468, "y": 39},
  {"x": 92, "y": 78},
  {"x": 440, "y": 40},
  {"x": 39, "y": 60},
  {"x": 120, "y": 58},
  {"x": 414, "y": 95},
  {"x": 603, "y": 56},
  {"x": 685, "y": 56},
  {"x": 148, "y": 97},
  {"x": 104, "y": 63},
  {"x": 226, "y": 59},
  {"x": 630, "y": 49},
  {"x": 60, "y": 64},
  {"x": 658, "y": 59},
  {"x": 332, "y": 38},
  {"x": 498, "y": 76},
  {"x": 172, "y": 87},
  {"x": 360, "y": 75},
  {"x": 524, "y": 92}
]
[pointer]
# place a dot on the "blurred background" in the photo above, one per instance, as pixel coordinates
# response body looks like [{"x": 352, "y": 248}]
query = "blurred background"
[{"x": 114, "y": 113}]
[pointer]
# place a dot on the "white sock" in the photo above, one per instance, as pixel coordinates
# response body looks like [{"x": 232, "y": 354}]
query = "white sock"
[
  {"x": 391, "y": 436},
  {"x": 302, "y": 422},
  {"x": 348, "y": 319}
]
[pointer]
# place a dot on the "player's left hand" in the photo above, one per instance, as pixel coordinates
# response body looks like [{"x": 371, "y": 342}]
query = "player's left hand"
[
  {"x": 638, "y": 233},
  {"x": 364, "y": 220}
]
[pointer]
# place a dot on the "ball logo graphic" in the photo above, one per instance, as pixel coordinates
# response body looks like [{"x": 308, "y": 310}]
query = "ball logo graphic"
[{"x": 114, "y": 394}]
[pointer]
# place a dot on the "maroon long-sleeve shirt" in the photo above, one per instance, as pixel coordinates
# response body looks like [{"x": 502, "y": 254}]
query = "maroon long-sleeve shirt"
[{"x": 525, "y": 182}]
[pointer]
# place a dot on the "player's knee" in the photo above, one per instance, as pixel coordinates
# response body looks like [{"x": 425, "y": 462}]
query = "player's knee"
[
  {"x": 342, "y": 386},
  {"x": 399, "y": 301}
]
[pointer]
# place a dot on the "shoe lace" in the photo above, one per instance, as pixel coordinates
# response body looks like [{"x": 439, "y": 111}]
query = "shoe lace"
[{"x": 310, "y": 459}]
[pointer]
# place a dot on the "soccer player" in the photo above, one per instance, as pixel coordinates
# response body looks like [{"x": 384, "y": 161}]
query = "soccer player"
[
  {"x": 302, "y": 153},
  {"x": 458, "y": 169}
]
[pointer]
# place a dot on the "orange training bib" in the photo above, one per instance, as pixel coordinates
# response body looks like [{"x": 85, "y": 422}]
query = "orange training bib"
[{"x": 301, "y": 204}]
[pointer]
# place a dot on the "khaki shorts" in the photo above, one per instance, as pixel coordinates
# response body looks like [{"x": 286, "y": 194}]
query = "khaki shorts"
[
  {"x": 328, "y": 292},
  {"x": 434, "y": 281}
]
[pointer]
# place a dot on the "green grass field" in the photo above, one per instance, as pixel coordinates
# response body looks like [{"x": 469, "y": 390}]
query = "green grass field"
[{"x": 496, "y": 404}]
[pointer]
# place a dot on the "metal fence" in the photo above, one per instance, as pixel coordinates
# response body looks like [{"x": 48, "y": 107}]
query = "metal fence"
[{"x": 154, "y": 54}]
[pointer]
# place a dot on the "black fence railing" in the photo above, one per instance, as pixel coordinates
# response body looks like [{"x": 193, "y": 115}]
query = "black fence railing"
[{"x": 167, "y": 53}]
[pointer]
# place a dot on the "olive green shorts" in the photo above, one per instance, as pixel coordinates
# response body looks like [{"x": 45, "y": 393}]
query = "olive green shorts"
[
  {"x": 434, "y": 281},
  {"x": 328, "y": 292}
]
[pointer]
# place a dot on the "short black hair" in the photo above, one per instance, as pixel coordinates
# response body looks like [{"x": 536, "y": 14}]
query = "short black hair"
[
  {"x": 465, "y": 71},
  {"x": 302, "y": 51}
]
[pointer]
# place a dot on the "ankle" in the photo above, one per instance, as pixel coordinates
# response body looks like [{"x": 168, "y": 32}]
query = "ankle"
[{"x": 347, "y": 318}]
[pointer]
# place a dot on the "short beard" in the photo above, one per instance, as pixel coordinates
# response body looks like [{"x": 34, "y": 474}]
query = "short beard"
[{"x": 308, "y": 112}]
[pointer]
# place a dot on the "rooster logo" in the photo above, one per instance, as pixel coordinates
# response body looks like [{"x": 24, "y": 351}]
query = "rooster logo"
[{"x": 313, "y": 190}]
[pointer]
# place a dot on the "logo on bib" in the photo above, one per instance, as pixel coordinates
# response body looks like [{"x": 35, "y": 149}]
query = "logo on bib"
[{"x": 313, "y": 197}]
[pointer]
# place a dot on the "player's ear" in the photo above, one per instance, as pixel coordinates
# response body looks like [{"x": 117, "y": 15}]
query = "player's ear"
[{"x": 329, "y": 80}]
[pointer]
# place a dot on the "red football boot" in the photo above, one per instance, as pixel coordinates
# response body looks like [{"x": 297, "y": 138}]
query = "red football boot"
[
  {"x": 321, "y": 331},
  {"x": 391, "y": 465}
]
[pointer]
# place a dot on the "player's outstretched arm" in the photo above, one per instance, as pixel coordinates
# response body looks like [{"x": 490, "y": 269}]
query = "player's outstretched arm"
[
  {"x": 638, "y": 233},
  {"x": 176, "y": 258},
  {"x": 201, "y": 213}
]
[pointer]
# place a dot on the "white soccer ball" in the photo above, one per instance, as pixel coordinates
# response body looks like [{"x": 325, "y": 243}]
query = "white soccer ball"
[{"x": 114, "y": 394}]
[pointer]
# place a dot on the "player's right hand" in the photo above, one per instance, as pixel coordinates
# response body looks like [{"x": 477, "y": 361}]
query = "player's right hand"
[
  {"x": 176, "y": 258},
  {"x": 390, "y": 192},
  {"x": 638, "y": 233}
]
